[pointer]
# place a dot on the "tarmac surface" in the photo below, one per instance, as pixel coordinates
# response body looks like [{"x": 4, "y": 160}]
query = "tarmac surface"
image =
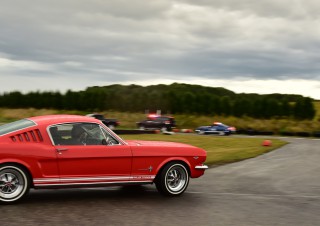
[{"x": 278, "y": 188}]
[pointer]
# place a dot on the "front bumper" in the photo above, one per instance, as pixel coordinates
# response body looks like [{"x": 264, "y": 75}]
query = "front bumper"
[{"x": 202, "y": 167}]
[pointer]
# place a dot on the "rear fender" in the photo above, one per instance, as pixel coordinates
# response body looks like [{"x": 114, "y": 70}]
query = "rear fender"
[
  {"x": 20, "y": 163},
  {"x": 15, "y": 161}
]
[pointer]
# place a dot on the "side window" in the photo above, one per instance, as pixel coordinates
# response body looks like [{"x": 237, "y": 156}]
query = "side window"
[
  {"x": 110, "y": 140},
  {"x": 163, "y": 119},
  {"x": 80, "y": 134},
  {"x": 61, "y": 134}
]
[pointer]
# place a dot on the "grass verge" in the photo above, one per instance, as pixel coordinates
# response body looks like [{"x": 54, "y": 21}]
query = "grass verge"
[
  {"x": 128, "y": 120},
  {"x": 220, "y": 150}
]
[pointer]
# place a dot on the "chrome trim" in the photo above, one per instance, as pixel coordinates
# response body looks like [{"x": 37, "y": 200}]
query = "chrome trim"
[
  {"x": 147, "y": 169},
  {"x": 95, "y": 178},
  {"x": 202, "y": 167},
  {"x": 98, "y": 183},
  {"x": 79, "y": 179},
  {"x": 40, "y": 181}
]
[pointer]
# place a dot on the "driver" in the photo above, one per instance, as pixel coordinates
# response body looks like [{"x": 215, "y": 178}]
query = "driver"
[{"x": 78, "y": 135}]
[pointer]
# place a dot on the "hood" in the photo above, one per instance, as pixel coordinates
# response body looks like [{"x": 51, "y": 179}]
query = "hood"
[{"x": 156, "y": 143}]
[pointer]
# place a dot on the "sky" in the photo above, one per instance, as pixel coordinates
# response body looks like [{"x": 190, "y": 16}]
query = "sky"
[{"x": 247, "y": 46}]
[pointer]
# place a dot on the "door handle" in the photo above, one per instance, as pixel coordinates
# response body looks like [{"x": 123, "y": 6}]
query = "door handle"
[{"x": 59, "y": 150}]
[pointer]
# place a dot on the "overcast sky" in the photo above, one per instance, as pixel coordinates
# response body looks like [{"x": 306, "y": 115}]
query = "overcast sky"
[{"x": 261, "y": 46}]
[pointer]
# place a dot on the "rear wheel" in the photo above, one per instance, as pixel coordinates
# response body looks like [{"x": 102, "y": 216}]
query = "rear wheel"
[
  {"x": 141, "y": 127},
  {"x": 14, "y": 183},
  {"x": 173, "y": 180}
]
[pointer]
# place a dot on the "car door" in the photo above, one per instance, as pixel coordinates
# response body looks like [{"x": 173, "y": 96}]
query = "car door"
[
  {"x": 149, "y": 124},
  {"x": 213, "y": 129},
  {"x": 158, "y": 123},
  {"x": 99, "y": 158}
]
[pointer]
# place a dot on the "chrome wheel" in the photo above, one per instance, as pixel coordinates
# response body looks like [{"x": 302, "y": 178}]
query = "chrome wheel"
[
  {"x": 13, "y": 183},
  {"x": 176, "y": 178},
  {"x": 173, "y": 179}
]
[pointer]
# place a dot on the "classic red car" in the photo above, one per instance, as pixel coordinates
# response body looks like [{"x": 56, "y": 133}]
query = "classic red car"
[{"x": 60, "y": 151}]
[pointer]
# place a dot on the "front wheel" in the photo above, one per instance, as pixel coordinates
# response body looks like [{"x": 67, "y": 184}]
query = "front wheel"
[
  {"x": 164, "y": 129},
  {"x": 14, "y": 183},
  {"x": 173, "y": 180}
]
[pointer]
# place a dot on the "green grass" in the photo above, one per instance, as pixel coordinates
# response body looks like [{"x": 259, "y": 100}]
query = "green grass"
[
  {"x": 317, "y": 107},
  {"x": 128, "y": 120},
  {"x": 220, "y": 150}
]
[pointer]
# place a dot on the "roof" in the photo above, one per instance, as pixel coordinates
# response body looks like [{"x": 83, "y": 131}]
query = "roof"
[{"x": 55, "y": 119}]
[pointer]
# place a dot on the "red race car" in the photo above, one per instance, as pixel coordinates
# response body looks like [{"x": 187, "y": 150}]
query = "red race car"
[{"x": 61, "y": 151}]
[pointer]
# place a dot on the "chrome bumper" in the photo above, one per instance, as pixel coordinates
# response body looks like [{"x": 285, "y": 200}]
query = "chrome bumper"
[{"x": 203, "y": 167}]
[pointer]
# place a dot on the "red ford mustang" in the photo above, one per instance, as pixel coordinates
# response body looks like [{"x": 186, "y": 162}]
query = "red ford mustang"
[{"x": 60, "y": 151}]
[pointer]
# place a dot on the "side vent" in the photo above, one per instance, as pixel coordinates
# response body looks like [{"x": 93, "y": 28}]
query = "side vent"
[{"x": 29, "y": 136}]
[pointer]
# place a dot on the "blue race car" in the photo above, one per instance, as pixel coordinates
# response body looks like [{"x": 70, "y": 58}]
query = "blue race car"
[{"x": 216, "y": 128}]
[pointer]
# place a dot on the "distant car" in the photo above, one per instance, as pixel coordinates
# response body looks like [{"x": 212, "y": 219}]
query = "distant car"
[
  {"x": 164, "y": 123},
  {"x": 66, "y": 151},
  {"x": 216, "y": 128},
  {"x": 112, "y": 123}
]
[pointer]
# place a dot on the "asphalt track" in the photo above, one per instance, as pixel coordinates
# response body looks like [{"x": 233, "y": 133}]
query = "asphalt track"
[{"x": 278, "y": 188}]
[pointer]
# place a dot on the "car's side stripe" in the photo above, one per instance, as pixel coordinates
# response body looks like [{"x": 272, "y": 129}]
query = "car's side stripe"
[
  {"x": 91, "y": 180},
  {"x": 80, "y": 178},
  {"x": 96, "y": 183}
]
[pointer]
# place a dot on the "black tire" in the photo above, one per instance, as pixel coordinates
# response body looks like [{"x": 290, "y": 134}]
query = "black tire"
[
  {"x": 14, "y": 183},
  {"x": 164, "y": 129},
  {"x": 173, "y": 179},
  {"x": 141, "y": 127}
]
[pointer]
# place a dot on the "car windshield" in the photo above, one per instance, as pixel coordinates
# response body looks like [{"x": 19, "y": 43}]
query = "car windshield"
[{"x": 17, "y": 125}]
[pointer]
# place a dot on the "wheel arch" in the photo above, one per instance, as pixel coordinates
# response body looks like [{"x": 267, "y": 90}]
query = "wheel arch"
[
  {"x": 183, "y": 161},
  {"x": 21, "y": 165}
]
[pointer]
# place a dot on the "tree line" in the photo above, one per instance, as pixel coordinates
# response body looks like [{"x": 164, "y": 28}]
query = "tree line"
[{"x": 171, "y": 99}]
